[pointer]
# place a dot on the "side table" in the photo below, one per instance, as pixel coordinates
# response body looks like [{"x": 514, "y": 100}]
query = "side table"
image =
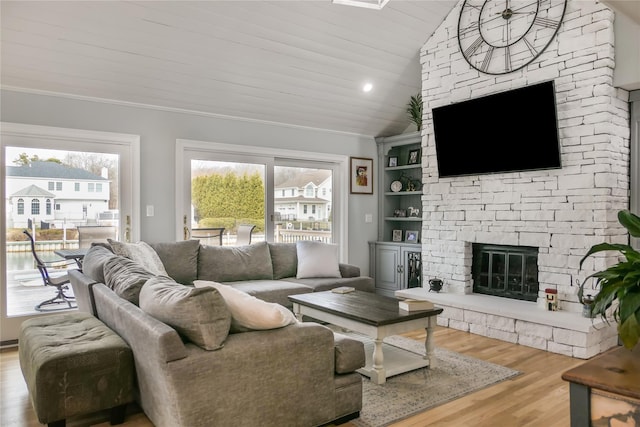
[{"x": 605, "y": 388}]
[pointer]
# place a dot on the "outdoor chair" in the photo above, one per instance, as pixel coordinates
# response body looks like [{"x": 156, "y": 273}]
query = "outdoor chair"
[
  {"x": 211, "y": 236},
  {"x": 243, "y": 234},
  {"x": 61, "y": 283},
  {"x": 88, "y": 234}
]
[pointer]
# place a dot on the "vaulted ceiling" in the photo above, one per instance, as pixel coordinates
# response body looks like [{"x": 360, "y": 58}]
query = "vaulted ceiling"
[{"x": 299, "y": 62}]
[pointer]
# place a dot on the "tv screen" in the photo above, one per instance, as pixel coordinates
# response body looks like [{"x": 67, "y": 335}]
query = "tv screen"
[{"x": 503, "y": 132}]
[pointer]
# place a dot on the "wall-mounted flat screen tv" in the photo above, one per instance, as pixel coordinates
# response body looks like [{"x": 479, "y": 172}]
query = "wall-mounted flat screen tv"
[{"x": 511, "y": 131}]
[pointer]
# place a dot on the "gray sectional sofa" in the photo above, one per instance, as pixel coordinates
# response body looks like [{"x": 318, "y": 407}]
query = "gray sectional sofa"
[{"x": 301, "y": 374}]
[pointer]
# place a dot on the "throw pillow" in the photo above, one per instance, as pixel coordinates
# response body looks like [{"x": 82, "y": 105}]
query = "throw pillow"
[
  {"x": 234, "y": 263},
  {"x": 142, "y": 253},
  {"x": 317, "y": 259},
  {"x": 126, "y": 277},
  {"x": 94, "y": 261},
  {"x": 200, "y": 315},
  {"x": 284, "y": 259},
  {"x": 180, "y": 259},
  {"x": 249, "y": 312}
]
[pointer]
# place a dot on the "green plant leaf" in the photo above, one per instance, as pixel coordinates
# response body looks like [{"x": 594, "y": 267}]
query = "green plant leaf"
[
  {"x": 629, "y": 332},
  {"x": 601, "y": 247},
  {"x": 630, "y": 221}
]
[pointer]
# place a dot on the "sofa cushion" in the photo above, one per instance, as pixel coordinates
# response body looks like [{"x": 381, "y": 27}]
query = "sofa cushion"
[
  {"x": 233, "y": 263},
  {"x": 277, "y": 291},
  {"x": 93, "y": 262},
  {"x": 126, "y": 277},
  {"x": 140, "y": 252},
  {"x": 317, "y": 259},
  {"x": 284, "y": 259},
  {"x": 198, "y": 314},
  {"x": 248, "y": 312},
  {"x": 180, "y": 259}
]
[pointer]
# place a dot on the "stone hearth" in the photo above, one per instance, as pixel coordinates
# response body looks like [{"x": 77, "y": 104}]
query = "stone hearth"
[{"x": 521, "y": 322}]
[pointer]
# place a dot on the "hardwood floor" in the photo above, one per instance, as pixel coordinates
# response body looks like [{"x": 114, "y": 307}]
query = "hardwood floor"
[{"x": 538, "y": 397}]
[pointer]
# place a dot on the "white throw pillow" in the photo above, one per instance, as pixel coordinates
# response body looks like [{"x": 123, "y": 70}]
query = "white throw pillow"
[
  {"x": 249, "y": 312},
  {"x": 141, "y": 253},
  {"x": 317, "y": 259}
]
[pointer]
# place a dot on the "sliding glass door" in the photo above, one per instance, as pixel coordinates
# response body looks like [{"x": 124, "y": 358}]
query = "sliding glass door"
[
  {"x": 55, "y": 180},
  {"x": 285, "y": 196}
]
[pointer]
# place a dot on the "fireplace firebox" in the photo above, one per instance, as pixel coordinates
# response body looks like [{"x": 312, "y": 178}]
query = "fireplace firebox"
[{"x": 505, "y": 271}]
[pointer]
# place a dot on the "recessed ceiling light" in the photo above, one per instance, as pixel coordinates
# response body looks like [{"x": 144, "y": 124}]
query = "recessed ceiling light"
[
  {"x": 369, "y": 4},
  {"x": 367, "y": 87}
]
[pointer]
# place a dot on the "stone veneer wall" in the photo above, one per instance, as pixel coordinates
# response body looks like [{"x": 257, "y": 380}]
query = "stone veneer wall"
[{"x": 564, "y": 211}]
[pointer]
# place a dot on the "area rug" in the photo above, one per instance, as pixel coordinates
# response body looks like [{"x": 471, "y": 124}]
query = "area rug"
[{"x": 455, "y": 375}]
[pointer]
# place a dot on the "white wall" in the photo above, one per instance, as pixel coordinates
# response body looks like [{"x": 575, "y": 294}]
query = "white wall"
[
  {"x": 562, "y": 212},
  {"x": 159, "y": 129}
]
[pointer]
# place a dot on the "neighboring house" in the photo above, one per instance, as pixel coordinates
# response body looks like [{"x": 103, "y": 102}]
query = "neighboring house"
[
  {"x": 54, "y": 193},
  {"x": 307, "y": 196}
]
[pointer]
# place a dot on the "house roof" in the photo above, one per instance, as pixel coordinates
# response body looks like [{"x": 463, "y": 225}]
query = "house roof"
[
  {"x": 33, "y": 191},
  {"x": 300, "y": 180},
  {"x": 300, "y": 199},
  {"x": 51, "y": 170}
]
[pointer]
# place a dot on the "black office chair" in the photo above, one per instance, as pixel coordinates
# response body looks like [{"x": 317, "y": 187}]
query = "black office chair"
[{"x": 61, "y": 283}]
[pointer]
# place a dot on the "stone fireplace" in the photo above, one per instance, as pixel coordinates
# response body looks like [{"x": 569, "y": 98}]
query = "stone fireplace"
[{"x": 561, "y": 212}]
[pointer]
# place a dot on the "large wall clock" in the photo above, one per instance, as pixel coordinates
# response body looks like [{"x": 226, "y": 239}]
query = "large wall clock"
[{"x": 501, "y": 36}]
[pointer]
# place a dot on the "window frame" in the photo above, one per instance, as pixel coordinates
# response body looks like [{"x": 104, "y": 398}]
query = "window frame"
[{"x": 186, "y": 149}]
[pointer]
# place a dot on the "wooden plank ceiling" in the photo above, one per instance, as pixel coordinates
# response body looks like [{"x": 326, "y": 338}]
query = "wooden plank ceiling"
[{"x": 297, "y": 62}]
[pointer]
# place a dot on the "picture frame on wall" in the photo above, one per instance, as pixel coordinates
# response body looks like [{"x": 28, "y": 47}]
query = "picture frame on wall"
[
  {"x": 414, "y": 157},
  {"x": 361, "y": 175},
  {"x": 393, "y": 161},
  {"x": 411, "y": 236},
  {"x": 397, "y": 236}
]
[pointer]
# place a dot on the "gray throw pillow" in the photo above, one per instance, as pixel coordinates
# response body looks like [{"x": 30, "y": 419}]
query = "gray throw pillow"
[
  {"x": 93, "y": 262},
  {"x": 180, "y": 259},
  {"x": 234, "y": 263},
  {"x": 284, "y": 259},
  {"x": 140, "y": 252},
  {"x": 198, "y": 314},
  {"x": 126, "y": 277}
]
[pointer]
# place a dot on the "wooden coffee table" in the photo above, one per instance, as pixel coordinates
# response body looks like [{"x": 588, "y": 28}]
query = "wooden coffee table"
[{"x": 376, "y": 317}]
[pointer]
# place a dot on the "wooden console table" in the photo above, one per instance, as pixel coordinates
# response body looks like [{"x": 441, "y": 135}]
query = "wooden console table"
[{"x": 605, "y": 388}]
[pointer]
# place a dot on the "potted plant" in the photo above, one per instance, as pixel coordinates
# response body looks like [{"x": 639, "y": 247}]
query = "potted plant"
[
  {"x": 619, "y": 284},
  {"x": 414, "y": 109}
]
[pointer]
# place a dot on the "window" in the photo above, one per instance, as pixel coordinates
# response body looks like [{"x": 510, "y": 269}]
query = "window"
[
  {"x": 324, "y": 191},
  {"x": 99, "y": 187},
  {"x": 308, "y": 191},
  {"x": 35, "y": 207},
  {"x": 282, "y": 168},
  {"x": 304, "y": 209},
  {"x": 91, "y": 187},
  {"x": 282, "y": 193},
  {"x": 313, "y": 209},
  {"x": 66, "y": 145}
]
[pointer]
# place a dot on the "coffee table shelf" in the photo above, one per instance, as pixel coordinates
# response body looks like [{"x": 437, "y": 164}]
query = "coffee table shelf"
[{"x": 377, "y": 317}]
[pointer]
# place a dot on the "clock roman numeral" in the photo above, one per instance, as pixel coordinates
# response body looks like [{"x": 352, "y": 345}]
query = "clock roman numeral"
[
  {"x": 507, "y": 59},
  {"x": 545, "y": 22},
  {"x": 474, "y": 46},
  {"x": 487, "y": 60},
  {"x": 532, "y": 49}
]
